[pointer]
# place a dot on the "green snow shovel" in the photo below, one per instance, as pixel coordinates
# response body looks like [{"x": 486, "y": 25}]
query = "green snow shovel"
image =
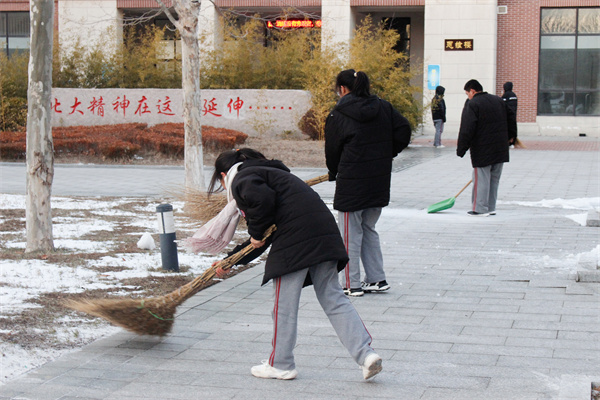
[{"x": 445, "y": 204}]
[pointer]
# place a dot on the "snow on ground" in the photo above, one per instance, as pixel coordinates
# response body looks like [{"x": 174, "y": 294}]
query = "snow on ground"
[
  {"x": 23, "y": 280},
  {"x": 563, "y": 260},
  {"x": 588, "y": 203},
  {"x": 581, "y": 219}
]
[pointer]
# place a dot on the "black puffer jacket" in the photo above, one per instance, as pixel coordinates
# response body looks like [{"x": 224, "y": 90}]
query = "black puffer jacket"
[
  {"x": 438, "y": 105},
  {"x": 362, "y": 136},
  {"x": 487, "y": 126},
  {"x": 306, "y": 235}
]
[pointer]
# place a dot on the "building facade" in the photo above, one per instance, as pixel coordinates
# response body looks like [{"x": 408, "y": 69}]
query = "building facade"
[{"x": 549, "y": 49}]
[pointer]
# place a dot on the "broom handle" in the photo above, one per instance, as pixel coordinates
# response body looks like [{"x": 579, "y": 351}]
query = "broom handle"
[
  {"x": 191, "y": 288},
  {"x": 197, "y": 283},
  {"x": 461, "y": 190},
  {"x": 232, "y": 259},
  {"x": 318, "y": 179}
]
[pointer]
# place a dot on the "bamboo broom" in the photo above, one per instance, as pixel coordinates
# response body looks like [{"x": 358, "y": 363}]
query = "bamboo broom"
[
  {"x": 156, "y": 315},
  {"x": 203, "y": 208}
]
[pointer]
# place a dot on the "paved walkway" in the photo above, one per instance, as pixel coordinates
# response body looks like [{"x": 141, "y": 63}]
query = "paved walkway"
[{"x": 480, "y": 308}]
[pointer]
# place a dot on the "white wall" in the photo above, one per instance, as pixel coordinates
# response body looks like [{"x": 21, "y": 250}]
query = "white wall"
[
  {"x": 568, "y": 126},
  {"x": 91, "y": 21},
  {"x": 259, "y": 112},
  {"x": 460, "y": 19},
  {"x": 338, "y": 22},
  {"x": 208, "y": 22}
]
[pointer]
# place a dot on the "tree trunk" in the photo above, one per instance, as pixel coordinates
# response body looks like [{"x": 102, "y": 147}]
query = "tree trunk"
[
  {"x": 40, "y": 152},
  {"x": 188, "y": 12}
]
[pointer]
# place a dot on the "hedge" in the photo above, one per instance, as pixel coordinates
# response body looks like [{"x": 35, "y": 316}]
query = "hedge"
[{"x": 121, "y": 141}]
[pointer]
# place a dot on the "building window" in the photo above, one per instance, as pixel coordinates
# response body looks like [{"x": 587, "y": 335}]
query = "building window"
[
  {"x": 402, "y": 26},
  {"x": 569, "y": 72},
  {"x": 14, "y": 32}
]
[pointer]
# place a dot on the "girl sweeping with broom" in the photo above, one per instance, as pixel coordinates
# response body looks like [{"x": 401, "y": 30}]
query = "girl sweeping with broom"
[{"x": 306, "y": 249}]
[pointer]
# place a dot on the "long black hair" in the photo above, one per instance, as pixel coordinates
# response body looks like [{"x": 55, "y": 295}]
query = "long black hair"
[
  {"x": 228, "y": 159},
  {"x": 356, "y": 82}
]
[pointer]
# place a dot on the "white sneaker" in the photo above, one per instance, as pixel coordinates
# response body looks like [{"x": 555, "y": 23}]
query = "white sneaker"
[
  {"x": 266, "y": 371},
  {"x": 354, "y": 292},
  {"x": 372, "y": 366},
  {"x": 380, "y": 286}
]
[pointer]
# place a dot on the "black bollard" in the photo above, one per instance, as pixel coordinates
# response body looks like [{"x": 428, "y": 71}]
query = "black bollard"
[{"x": 166, "y": 230}]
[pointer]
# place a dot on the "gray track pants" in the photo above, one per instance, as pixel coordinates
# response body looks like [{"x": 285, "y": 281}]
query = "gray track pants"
[
  {"x": 362, "y": 243},
  {"x": 485, "y": 187},
  {"x": 341, "y": 313},
  {"x": 439, "y": 129}
]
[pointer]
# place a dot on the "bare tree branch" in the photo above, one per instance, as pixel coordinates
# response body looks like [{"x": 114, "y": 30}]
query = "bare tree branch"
[
  {"x": 140, "y": 19},
  {"x": 170, "y": 16}
]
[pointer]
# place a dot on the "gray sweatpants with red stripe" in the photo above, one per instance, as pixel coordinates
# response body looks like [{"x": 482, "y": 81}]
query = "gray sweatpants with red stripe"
[
  {"x": 341, "y": 313},
  {"x": 485, "y": 187},
  {"x": 362, "y": 244}
]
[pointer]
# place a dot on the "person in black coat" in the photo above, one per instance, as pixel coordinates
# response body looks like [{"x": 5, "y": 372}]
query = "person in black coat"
[
  {"x": 363, "y": 134},
  {"x": 487, "y": 127},
  {"x": 438, "y": 114},
  {"x": 306, "y": 249},
  {"x": 509, "y": 97}
]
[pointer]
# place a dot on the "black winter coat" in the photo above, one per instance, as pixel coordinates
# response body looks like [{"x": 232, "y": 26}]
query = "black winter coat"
[
  {"x": 510, "y": 97},
  {"x": 487, "y": 126},
  {"x": 307, "y": 234},
  {"x": 438, "y": 105},
  {"x": 362, "y": 136}
]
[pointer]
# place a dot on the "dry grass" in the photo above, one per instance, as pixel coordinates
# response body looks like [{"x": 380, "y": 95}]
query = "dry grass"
[{"x": 295, "y": 153}]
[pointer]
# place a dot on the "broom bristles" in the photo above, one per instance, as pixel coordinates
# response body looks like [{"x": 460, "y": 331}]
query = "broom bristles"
[
  {"x": 198, "y": 204},
  {"x": 144, "y": 317},
  {"x": 519, "y": 144}
]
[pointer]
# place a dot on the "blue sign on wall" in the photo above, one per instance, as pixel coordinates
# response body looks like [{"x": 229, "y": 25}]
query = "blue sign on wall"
[{"x": 433, "y": 76}]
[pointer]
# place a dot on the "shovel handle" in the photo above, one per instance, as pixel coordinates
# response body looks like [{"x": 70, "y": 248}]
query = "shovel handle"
[{"x": 461, "y": 190}]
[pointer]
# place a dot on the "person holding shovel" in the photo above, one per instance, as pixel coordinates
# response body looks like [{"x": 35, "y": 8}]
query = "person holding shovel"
[
  {"x": 363, "y": 134},
  {"x": 488, "y": 126},
  {"x": 306, "y": 249}
]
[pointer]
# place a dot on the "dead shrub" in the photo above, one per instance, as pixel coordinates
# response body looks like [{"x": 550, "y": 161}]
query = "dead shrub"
[{"x": 309, "y": 125}]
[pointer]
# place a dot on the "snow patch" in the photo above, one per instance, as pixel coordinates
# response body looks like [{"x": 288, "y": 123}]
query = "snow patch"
[{"x": 586, "y": 203}]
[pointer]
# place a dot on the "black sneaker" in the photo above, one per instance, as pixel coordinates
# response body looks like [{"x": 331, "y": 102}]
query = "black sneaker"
[
  {"x": 375, "y": 287},
  {"x": 354, "y": 292},
  {"x": 476, "y": 214}
]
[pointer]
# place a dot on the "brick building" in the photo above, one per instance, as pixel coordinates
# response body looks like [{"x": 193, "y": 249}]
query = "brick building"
[{"x": 549, "y": 49}]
